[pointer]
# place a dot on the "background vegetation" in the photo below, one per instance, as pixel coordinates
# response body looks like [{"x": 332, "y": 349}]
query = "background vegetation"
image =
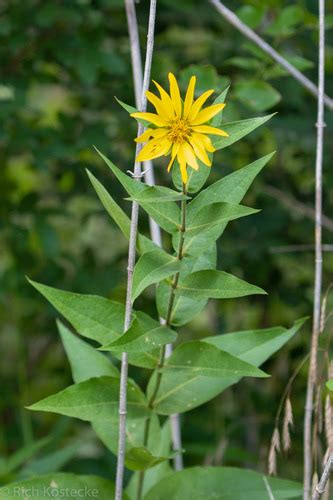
[{"x": 62, "y": 64}]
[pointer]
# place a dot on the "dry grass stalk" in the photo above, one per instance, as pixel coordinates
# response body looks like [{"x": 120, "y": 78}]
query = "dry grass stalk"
[
  {"x": 328, "y": 424},
  {"x": 312, "y": 375},
  {"x": 274, "y": 448},
  {"x": 288, "y": 422}
]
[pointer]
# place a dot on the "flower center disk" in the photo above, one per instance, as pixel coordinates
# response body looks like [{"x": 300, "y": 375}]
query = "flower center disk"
[{"x": 179, "y": 130}]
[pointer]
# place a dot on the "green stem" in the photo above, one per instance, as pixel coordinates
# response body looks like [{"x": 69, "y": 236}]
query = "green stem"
[{"x": 160, "y": 363}]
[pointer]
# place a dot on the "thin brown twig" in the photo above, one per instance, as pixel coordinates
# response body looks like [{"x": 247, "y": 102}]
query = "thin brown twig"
[
  {"x": 298, "y": 248},
  {"x": 297, "y": 206},
  {"x": 268, "y": 49},
  {"x": 312, "y": 374},
  {"x": 321, "y": 486},
  {"x": 130, "y": 265}
]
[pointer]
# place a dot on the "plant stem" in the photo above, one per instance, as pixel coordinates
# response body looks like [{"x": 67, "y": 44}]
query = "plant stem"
[
  {"x": 155, "y": 230},
  {"x": 161, "y": 360},
  {"x": 131, "y": 262},
  {"x": 312, "y": 374},
  {"x": 321, "y": 486},
  {"x": 268, "y": 49}
]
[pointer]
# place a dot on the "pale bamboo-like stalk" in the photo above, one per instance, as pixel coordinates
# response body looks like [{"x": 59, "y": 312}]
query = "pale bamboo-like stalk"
[
  {"x": 321, "y": 486},
  {"x": 133, "y": 32},
  {"x": 155, "y": 230},
  {"x": 268, "y": 49},
  {"x": 131, "y": 262},
  {"x": 312, "y": 373}
]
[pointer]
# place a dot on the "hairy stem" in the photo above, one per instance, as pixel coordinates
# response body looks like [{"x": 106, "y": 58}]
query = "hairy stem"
[
  {"x": 268, "y": 49},
  {"x": 312, "y": 374},
  {"x": 168, "y": 318},
  {"x": 131, "y": 261}
]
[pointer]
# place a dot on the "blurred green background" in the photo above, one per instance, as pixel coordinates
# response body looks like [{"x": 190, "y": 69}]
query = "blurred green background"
[{"x": 62, "y": 63}]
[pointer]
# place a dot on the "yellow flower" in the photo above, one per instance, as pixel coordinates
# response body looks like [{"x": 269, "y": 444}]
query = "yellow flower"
[{"x": 178, "y": 127}]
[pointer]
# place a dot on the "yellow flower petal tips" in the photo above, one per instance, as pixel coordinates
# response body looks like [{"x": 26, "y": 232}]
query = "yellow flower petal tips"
[{"x": 179, "y": 128}]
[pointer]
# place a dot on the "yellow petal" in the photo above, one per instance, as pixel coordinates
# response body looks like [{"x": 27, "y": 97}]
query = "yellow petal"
[
  {"x": 161, "y": 108},
  {"x": 151, "y": 117},
  {"x": 206, "y": 129},
  {"x": 175, "y": 148},
  {"x": 175, "y": 94},
  {"x": 197, "y": 105},
  {"x": 153, "y": 149},
  {"x": 207, "y": 143},
  {"x": 166, "y": 99},
  {"x": 145, "y": 136},
  {"x": 198, "y": 145},
  {"x": 182, "y": 164},
  {"x": 150, "y": 132},
  {"x": 206, "y": 114},
  {"x": 190, "y": 156},
  {"x": 189, "y": 96}
]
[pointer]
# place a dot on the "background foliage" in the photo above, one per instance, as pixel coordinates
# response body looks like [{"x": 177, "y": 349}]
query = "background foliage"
[{"x": 62, "y": 64}]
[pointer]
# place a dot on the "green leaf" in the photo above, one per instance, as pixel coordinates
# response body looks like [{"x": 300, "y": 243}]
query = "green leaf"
[
  {"x": 132, "y": 187},
  {"x": 255, "y": 346},
  {"x": 223, "y": 483},
  {"x": 85, "y": 361},
  {"x": 167, "y": 214},
  {"x": 231, "y": 188},
  {"x": 147, "y": 360},
  {"x": 131, "y": 109},
  {"x": 257, "y": 94},
  {"x": 276, "y": 71},
  {"x": 151, "y": 268},
  {"x": 144, "y": 359},
  {"x": 209, "y": 361},
  {"x": 158, "y": 194},
  {"x": 214, "y": 214},
  {"x": 142, "y": 459},
  {"x": 55, "y": 486},
  {"x": 108, "y": 431},
  {"x": 206, "y": 76},
  {"x": 250, "y": 15},
  {"x": 238, "y": 130},
  {"x": 138, "y": 340},
  {"x": 181, "y": 391},
  {"x": 196, "y": 178},
  {"x": 93, "y": 317},
  {"x": 118, "y": 215},
  {"x": 161, "y": 445},
  {"x": 205, "y": 226},
  {"x": 184, "y": 308},
  {"x": 248, "y": 63},
  {"x": 97, "y": 398},
  {"x": 286, "y": 22},
  {"x": 114, "y": 210},
  {"x": 329, "y": 385},
  {"x": 217, "y": 119},
  {"x": 217, "y": 285}
]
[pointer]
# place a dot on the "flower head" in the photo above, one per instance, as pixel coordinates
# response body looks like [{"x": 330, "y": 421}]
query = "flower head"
[{"x": 179, "y": 128}]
